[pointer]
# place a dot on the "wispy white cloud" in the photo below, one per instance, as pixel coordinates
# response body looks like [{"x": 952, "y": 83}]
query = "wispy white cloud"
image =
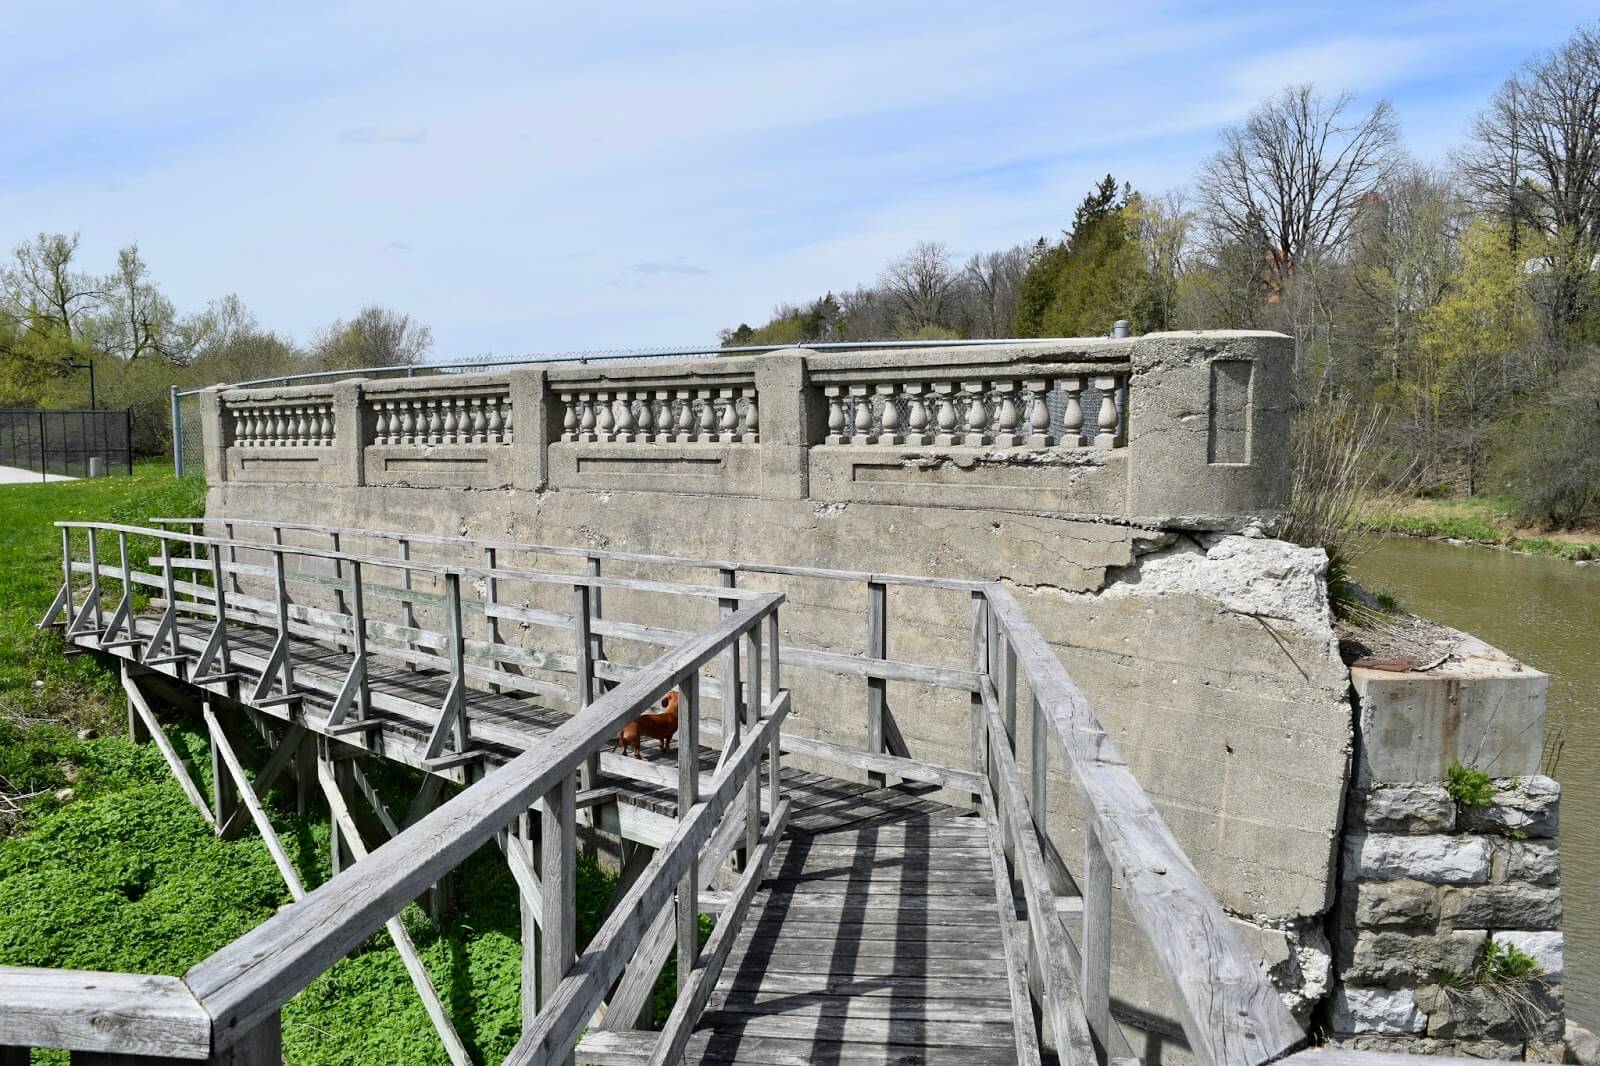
[
  {"x": 383, "y": 135},
  {"x": 677, "y": 266},
  {"x": 542, "y": 155}
]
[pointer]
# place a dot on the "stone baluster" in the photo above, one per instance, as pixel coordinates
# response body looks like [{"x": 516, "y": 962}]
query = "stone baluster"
[
  {"x": 1072, "y": 424},
  {"x": 241, "y": 426},
  {"x": 380, "y": 423},
  {"x": 916, "y": 414},
  {"x": 860, "y": 399},
  {"x": 1106, "y": 425},
  {"x": 1005, "y": 419},
  {"x": 494, "y": 425},
  {"x": 480, "y": 422},
  {"x": 977, "y": 433},
  {"x": 835, "y": 395},
  {"x": 327, "y": 425},
  {"x": 665, "y": 415},
  {"x": 889, "y": 417},
  {"x": 506, "y": 428},
  {"x": 586, "y": 418},
  {"x": 605, "y": 419},
  {"x": 947, "y": 435},
  {"x": 623, "y": 405},
  {"x": 752, "y": 416},
  {"x": 428, "y": 422},
  {"x": 647, "y": 417},
  {"x": 308, "y": 426},
  {"x": 1038, "y": 390},
  {"x": 569, "y": 416},
  {"x": 274, "y": 426},
  {"x": 402, "y": 423},
  {"x": 450, "y": 434},
  {"x": 705, "y": 426},
  {"x": 727, "y": 415},
  {"x": 683, "y": 415}
]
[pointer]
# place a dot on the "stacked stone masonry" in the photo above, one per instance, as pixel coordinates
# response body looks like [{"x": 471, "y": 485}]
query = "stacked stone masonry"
[{"x": 1427, "y": 885}]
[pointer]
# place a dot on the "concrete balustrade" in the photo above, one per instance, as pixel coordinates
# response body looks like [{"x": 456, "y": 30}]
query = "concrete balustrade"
[{"x": 1190, "y": 427}]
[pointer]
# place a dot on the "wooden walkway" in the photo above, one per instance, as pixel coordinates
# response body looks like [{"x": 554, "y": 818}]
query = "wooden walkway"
[{"x": 874, "y": 939}]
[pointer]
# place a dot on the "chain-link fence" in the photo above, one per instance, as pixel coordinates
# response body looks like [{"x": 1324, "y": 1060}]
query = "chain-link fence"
[{"x": 66, "y": 443}]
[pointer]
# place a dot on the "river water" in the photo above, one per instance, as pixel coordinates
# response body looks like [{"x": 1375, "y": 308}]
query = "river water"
[{"x": 1546, "y": 612}]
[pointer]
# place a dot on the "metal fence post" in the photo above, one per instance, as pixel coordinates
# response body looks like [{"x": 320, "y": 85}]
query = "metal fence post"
[{"x": 177, "y": 435}]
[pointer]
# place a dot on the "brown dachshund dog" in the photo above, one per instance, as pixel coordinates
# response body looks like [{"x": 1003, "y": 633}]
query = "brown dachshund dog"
[{"x": 663, "y": 725}]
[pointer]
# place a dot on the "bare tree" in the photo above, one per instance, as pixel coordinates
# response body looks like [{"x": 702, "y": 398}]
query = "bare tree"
[
  {"x": 43, "y": 293},
  {"x": 1164, "y": 238},
  {"x": 1535, "y": 160},
  {"x": 994, "y": 278},
  {"x": 1296, "y": 169},
  {"x": 138, "y": 319},
  {"x": 918, "y": 285},
  {"x": 377, "y": 336}
]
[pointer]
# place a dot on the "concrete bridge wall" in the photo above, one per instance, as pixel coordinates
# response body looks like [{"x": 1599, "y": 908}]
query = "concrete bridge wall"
[{"x": 1205, "y": 648}]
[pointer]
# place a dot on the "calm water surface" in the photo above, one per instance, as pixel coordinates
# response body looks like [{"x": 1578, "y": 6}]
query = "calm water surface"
[{"x": 1547, "y": 613}]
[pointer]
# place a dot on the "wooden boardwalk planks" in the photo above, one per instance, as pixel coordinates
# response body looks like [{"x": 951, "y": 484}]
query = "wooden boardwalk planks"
[{"x": 874, "y": 938}]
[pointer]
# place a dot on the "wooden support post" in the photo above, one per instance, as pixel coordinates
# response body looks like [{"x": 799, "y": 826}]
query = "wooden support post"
[
  {"x": 525, "y": 839},
  {"x": 235, "y": 771},
  {"x": 336, "y": 775},
  {"x": 752, "y": 703},
  {"x": 305, "y": 772},
  {"x": 1096, "y": 981},
  {"x": 136, "y": 698},
  {"x": 557, "y": 863},
  {"x": 877, "y": 687},
  {"x": 688, "y": 907},
  {"x": 224, "y": 790}
]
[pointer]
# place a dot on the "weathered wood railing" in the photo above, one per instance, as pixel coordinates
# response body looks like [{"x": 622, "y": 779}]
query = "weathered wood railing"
[{"x": 226, "y": 1007}]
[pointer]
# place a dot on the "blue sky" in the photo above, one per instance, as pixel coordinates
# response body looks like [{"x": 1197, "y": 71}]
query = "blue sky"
[{"x": 542, "y": 177}]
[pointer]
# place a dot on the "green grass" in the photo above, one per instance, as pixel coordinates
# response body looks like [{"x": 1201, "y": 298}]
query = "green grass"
[
  {"x": 1469, "y": 787},
  {"x": 1483, "y": 520},
  {"x": 120, "y": 873}
]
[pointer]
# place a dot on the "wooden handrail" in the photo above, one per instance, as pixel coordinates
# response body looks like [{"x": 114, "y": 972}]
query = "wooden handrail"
[
  {"x": 1229, "y": 1009},
  {"x": 83, "y": 1010},
  {"x": 255, "y": 975}
]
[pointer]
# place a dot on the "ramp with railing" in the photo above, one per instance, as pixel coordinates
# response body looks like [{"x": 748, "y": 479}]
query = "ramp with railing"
[{"x": 931, "y": 920}]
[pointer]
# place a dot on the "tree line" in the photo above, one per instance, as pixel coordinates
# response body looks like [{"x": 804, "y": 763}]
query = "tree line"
[
  {"x": 56, "y": 317},
  {"x": 1459, "y": 304}
]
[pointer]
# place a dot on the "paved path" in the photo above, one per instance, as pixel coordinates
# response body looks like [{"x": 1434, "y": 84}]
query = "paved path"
[{"x": 16, "y": 475}]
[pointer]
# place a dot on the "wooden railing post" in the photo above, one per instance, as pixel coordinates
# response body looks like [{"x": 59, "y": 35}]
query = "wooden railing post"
[
  {"x": 980, "y": 663},
  {"x": 1004, "y": 664},
  {"x": 597, "y": 649},
  {"x": 774, "y": 687},
  {"x": 338, "y": 574},
  {"x": 688, "y": 905},
  {"x": 877, "y": 687},
  {"x": 1096, "y": 981},
  {"x": 408, "y": 610},
  {"x": 491, "y": 593},
  {"x": 583, "y": 680},
  {"x": 557, "y": 869}
]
